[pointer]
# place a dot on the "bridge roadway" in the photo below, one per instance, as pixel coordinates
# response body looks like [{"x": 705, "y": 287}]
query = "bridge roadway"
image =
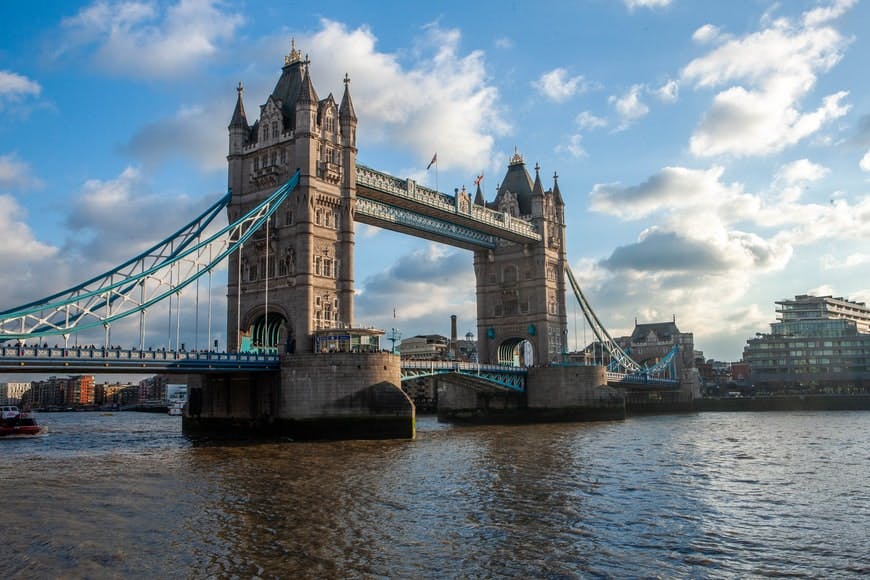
[{"x": 88, "y": 360}]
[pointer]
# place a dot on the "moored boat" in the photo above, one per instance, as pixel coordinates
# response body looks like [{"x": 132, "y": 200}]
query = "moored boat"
[{"x": 14, "y": 423}]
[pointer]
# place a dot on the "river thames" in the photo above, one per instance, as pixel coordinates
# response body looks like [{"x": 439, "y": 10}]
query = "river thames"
[{"x": 704, "y": 495}]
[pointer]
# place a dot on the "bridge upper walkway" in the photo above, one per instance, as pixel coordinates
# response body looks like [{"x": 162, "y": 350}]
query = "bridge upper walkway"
[{"x": 406, "y": 206}]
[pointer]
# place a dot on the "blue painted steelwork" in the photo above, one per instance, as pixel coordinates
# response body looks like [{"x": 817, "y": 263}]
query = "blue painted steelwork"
[
  {"x": 169, "y": 247},
  {"x": 95, "y": 360},
  {"x": 81, "y": 308},
  {"x": 513, "y": 378},
  {"x": 620, "y": 359},
  {"x": 386, "y": 214}
]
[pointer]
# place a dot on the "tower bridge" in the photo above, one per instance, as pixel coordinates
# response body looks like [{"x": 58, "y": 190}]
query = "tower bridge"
[{"x": 295, "y": 192}]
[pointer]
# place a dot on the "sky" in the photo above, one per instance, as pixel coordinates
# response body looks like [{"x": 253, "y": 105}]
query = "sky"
[{"x": 714, "y": 157}]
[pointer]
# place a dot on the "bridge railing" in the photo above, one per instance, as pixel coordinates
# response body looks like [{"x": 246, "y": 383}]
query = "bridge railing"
[
  {"x": 409, "y": 189},
  {"x": 80, "y": 352},
  {"x": 637, "y": 378},
  {"x": 460, "y": 366}
]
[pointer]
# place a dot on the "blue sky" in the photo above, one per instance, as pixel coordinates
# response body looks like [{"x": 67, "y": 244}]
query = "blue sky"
[{"x": 714, "y": 156}]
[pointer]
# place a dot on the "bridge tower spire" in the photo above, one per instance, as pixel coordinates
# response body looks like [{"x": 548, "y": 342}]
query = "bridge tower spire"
[{"x": 286, "y": 285}]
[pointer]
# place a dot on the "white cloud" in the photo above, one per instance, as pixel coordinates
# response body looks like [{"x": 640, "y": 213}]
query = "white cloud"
[
  {"x": 112, "y": 220},
  {"x": 632, "y": 4},
  {"x": 441, "y": 102},
  {"x": 671, "y": 188},
  {"x": 668, "y": 92},
  {"x": 706, "y": 33},
  {"x": 444, "y": 276},
  {"x": 865, "y": 162},
  {"x": 504, "y": 42},
  {"x": 586, "y": 120},
  {"x": 574, "y": 147},
  {"x": 15, "y": 173},
  {"x": 28, "y": 265},
  {"x": 139, "y": 39},
  {"x": 629, "y": 106},
  {"x": 800, "y": 171},
  {"x": 766, "y": 74},
  {"x": 193, "y": 132},
  {"x": 556, "y": 86},
  {"x": 14, "y": 86},
  {"x": 830, "y": 262},
  {"x": 824, "y": 14}
]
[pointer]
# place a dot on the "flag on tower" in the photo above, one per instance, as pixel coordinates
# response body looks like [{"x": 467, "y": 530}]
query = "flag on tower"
[
  {"x": 434, "y": 160},
  {"x": 479, "y": 179}
]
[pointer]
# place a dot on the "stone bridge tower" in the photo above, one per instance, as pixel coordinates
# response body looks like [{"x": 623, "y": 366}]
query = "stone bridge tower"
[
  {"x": 521, "y": 316},
  {"x": 285, "y": 285}
]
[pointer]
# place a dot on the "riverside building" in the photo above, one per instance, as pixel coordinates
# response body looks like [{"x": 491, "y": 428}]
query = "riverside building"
[{"x": 818, "y": 344}]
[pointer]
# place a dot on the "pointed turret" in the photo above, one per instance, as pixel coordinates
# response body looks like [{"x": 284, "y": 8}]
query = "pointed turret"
[
  {"x": 345, "y": 111},
  {"x": 538, "y": 202},
  {"x": 557, "y": 195},
  {"x": 478, "y": 197},
  {"x": 537, "y": 189},
  {"x": 307, "y": 94},
  {"x": 238, "y": 126},
  {"x": 239, "y": 119}
]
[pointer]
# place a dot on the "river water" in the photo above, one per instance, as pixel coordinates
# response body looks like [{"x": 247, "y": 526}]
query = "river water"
[{"x": 705, "y": 495}]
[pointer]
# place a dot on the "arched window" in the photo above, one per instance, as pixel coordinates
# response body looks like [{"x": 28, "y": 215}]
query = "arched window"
[{"x": 274, "y": 129}]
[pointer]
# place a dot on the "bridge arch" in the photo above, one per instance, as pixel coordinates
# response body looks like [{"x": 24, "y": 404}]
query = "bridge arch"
[
  {"x": 264, "y": 333},
  {"x": 517, "y": 352}
]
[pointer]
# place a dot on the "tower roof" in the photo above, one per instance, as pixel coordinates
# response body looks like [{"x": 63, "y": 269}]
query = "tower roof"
[
  {"x": 239, "y": 119},
  {"x": 345, "y": 111},
  {"x": 287, "y": 88},
  {"x": 518, "y": 181}
]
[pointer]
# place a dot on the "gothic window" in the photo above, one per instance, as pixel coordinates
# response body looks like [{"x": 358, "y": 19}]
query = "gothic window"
[
  {"x": 264, "y": 271},
  {"x": 335, "y": 303},
  {"x": 252, "y": 273},
  {"x": 318, "y": 266},
  {"x": 288, "y": 218},
  {"x": 327, "y": 267},
  {"x": 510, "y": 273},
  {"x": 274, "y": 157},
  {"x": 283, "y": 156},
  {"x": 282, "y": 267},
  {"x": 256, "y": 163},
  {"x": 327, "y": 219},
  {"x": 317, "y": 301},
  {"x": 274, "y": 129}
]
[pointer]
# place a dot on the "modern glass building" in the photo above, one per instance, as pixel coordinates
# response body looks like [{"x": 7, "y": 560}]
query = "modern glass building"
[{"x": 818, "y": 344}]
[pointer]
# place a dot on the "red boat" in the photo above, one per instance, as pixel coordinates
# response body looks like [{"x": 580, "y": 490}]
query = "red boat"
[{"x": 15, "y": 423}]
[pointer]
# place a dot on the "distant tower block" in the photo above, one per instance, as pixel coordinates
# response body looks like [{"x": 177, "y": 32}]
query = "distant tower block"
[
  {"x": 306, "y": 262},
  {"x": 521, "y": 311}
]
